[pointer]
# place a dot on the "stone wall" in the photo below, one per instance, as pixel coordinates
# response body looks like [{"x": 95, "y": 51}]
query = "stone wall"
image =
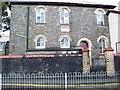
[{"x": 82, "y": 25}]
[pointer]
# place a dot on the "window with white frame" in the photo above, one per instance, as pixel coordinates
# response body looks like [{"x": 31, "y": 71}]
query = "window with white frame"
[
  {"x": 102, "y": 45},
  {"x": 40, "y": 15},
  {"x": 40, "y": 43},
  {"x": 64, "y": 16},
  {"x": 100, "y": 17},
  {"x": 65, "y": 42},
  {"x": 1, "y": 46}
]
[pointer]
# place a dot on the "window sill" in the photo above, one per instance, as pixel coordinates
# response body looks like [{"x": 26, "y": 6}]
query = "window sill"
[
  {"x": 64, "y": 23},
  {"x": 101, "y": 54},
  {"x": 101, "y": 25},
  {"x": 40, "y": 47},
  {"x": 40, "y": 23},
  {"x": 64, "y": 47}
]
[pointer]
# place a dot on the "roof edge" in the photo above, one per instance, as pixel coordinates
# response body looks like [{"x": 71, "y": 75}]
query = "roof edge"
[{"x": 43, "y": 2}]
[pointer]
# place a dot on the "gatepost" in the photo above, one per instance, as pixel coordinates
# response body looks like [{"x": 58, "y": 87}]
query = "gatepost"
[
  {"x": 86, "y": 61},
  {"x": 109, "y": 58}
]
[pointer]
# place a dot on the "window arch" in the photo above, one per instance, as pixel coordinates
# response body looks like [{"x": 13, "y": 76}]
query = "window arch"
[
  {"x": 85, "y": 43},
  {"x": 40, "y": 15},
  {"x": 100, "y": 16},
  {"x": 64, "y": 16},
  {"x": 102, "y": 42},
  {"x": 65, "y": 41},
  {"x": 40, "y": 42}
]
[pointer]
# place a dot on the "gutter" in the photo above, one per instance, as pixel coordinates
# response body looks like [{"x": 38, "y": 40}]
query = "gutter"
[{"x": 113, "y": 11}]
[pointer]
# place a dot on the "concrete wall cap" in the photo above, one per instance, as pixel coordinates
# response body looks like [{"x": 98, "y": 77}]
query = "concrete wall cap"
[
  {"x": 85, "y": 50},
  {"x": 109, "y": 49}
]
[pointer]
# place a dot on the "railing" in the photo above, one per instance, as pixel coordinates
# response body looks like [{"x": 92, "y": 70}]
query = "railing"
[{"x": 60, "y": 80}]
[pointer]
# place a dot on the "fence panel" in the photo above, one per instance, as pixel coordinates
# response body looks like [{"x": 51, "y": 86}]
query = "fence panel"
[{"x": 60, "y": 80}]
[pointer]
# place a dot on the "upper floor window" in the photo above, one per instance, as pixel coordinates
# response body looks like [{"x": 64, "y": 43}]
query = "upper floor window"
[
  {"x": 40, "y": 42},
  {"x": 64, "y": 16},
  {"x": 65, "y": 42},
  {"x": 100, "y": 16},
  {"x": 102, "y": 44},
  {"x": 40, "y": 15}
]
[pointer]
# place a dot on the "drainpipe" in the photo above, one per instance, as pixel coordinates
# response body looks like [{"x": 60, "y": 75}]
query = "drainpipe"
[{"x": 27, "y": 31}]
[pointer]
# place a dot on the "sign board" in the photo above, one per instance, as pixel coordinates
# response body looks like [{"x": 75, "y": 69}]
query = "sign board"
[{"x": 65, "y": 29}]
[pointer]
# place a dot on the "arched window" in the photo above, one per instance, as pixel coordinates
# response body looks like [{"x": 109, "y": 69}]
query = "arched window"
[
  {"x": 40, "y": 41},
  {"x": 64, "y": 16},
  {"x": 40, "y": 15},
  {"x": 65, "y": 41},
  {"x": 100, "y": 16},
  {"x": 102, "y": 45}
]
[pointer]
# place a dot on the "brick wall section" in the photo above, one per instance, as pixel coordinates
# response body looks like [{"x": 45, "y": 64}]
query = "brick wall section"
[
  {"x": 86, "y": 61},
  {"x": 109, "y": 57},
  {"x": 82, "y": 25}
]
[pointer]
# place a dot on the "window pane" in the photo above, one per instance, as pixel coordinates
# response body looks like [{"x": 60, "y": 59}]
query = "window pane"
[
  {"x": 42, "y": 17},
  {"x": 62, "y": 42},
  {"x": 38, "y": 19},
  {"x": 40, "y": 42},
  {"x": 64, "y": 16},
  {"x": 40, "y": 14},
  {"x": 100, "y": 18},
  {"x": 102, "y": 45},
  {"x": 65, "y": 42}
]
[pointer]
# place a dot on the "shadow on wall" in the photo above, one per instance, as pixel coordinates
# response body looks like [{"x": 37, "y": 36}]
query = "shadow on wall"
[{"x": 117, "y": 62}]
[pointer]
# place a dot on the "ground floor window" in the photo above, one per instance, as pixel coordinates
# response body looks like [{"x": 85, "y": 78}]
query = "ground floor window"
[
  {"x": 1, "y": 47},
  {"x": 102, "y": 45},
  {"x": 65, "y": 41}
]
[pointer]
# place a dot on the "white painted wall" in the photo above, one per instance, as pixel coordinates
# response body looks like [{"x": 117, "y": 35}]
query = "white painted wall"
[{"x": 114, "y": 23}]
